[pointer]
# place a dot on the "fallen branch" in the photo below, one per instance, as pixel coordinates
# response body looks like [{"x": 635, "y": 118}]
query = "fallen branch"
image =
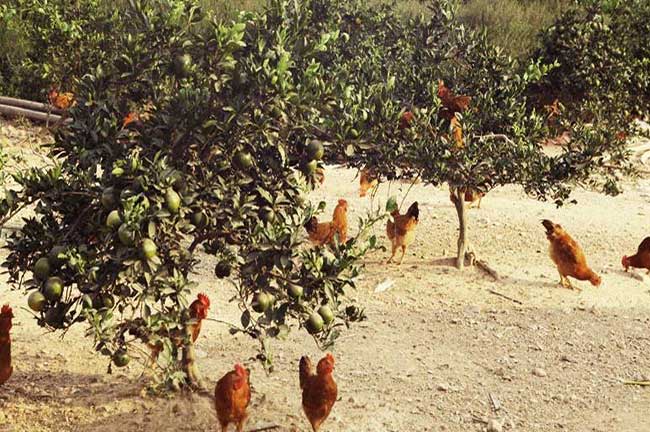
[
  {"x": 637, "y": 383},
  {"x": 30, "y": 114},
  {"x": 505, "y": 138},
  {"x": 487, "y": 269},
  {"x": 265, "y": 428},
  {"x": 496, "y": 405},
  {"x": 34, "y": 106},
  {"x": 497, "y": 293}
]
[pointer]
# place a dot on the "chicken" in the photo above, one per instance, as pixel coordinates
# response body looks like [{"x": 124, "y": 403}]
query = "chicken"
[
  {"x": 340, "y": 220},
  {"x": 401, "y": 230},
  {"x": 319, "y": 391},
  {"x": 406, "y": 119},
  {"x": 568, "y": 256},
  {"x": 471, "y": 196},
  {"x": 366, "y": 182},
  {"x": 451, "y": 104},
  {"x": 320, "y": 175},
  {"x": 131, "y": 117},
  {"x": 457, "y": 132},
  {"x": 322, "y": 233},
  {"x": 5, "y": 344},
  {"x": 641, "y": 259},
  {"x": 62, "y": 101},
  {"x": 198, "y": 312},
  {"x": 232, "y": 394}
]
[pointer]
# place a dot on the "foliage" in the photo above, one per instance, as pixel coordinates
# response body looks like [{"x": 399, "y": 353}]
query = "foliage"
[
  {"x": 46, "y": 43},
  {"x": 216, "y": 160},
  {"x": 393, "y": 65},
  {"x": 603, "y": 56}
]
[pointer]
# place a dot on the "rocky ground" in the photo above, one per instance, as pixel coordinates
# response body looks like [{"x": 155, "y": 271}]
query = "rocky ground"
[{"x": 439, "y": 352}]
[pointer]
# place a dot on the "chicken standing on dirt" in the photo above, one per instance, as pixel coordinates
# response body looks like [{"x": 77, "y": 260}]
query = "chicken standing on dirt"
[
  {"x": 319, "y": 391},
  {"x": 641, "y": 259},
  {"x": 322, "y": 233},
  {"x": 232, "y": 394},
  {"x": 5, "y": 344},
  {"x": 401, "y": 230},
  {"x": 568, "y": 256},
  {"x": 366, "y": 182},
  {"x": 198, "y": 312}
]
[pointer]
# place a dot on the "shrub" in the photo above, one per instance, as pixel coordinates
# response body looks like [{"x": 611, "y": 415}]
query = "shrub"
[
  {"x": 603, "y": 56},
  {"x": 224, "y": 112}
]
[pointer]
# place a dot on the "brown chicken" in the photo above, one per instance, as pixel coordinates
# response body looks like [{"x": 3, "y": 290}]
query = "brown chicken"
[
  {"x": 641, "y": 259},
  {"x": 5, "y": 344},
  {"x": 568, "y": 256},
  {"x": 457, "y": 132},
  {"x": 322, "y": 233},
  {"x": 320, "y": 175},
  {"x": 406, "y": 119},
  {"x": 471, "y": 196},
  {"x": 401, "y": 230},
  {"x": 319, "y": 391},
  {"x": 62, "y": 101},
  {"x": 198, "y": 312},
  {"x": 232, "y": 394},
  {"x": 451, "y": 104},
  {"x": 366, "y": 182}
]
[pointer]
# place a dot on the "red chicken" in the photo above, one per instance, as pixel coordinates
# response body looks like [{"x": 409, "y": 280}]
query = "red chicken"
[
  {"x": 641, "y": 259},
  {"x": 232, "y": 394},
  {"x": 319, "y": 391},
  {"x": 198, "y": 312},
  {"x": 5, "y": 344}
]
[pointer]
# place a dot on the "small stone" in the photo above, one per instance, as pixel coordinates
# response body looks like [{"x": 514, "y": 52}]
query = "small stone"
[
  {"x": 539, "y": 372},
  {"x": 442, "y": 387},
  {"x": 494, "y": 425}
]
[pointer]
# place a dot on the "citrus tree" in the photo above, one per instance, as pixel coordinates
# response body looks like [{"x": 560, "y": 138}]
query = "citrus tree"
[
  {"x": 394, "y": 65},
  {"x": 196, "y": 135}
]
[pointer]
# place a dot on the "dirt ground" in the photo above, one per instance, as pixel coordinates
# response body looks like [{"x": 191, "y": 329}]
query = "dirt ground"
[{"x": 439, "y": 351}]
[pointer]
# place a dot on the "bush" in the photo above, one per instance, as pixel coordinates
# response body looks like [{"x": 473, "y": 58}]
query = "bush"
[
  {"x": 52, "y": 43},
  {"x": 603, "y": 56},
  {"x": 222, "y": 115}
]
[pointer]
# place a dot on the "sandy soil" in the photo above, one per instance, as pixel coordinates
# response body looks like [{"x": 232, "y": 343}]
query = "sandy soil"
[{"x": 438, "y": 346}]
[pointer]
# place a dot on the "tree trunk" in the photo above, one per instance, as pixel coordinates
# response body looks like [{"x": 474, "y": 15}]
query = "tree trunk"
[
  {"x": 189, "y": 362},
  {"x": 459, "y": 202}
]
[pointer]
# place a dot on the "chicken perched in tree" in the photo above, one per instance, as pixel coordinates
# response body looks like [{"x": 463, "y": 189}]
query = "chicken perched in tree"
[
  {"x": 322, "y": 233},
  {"x": 319, "y": 389},
  {"x": 6, "y": 369},
  {"x": 198, "y": 312},
  {"x": 451, "y": 104},
  {"x": 641, "y": 259},
  {"x": 568, "y": 256},
  {"x": 366, "y": 182},
  {"x": 401, "y": 229},
  {"x": 232, "y": 394},
  {"x": 62, "y": 101}
]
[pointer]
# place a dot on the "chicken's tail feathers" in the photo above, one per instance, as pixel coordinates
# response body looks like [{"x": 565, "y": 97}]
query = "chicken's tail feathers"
[
  {"x": 306, "y": 369},
  {"x": 311, "y": 224},
  {"x": 548, "y": 225},
  {"x": 414, "y": 211}
]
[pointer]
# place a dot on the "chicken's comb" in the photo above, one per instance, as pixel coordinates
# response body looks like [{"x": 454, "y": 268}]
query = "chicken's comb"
[
  {"x": 6, "y": 311},
  {"x": 330, "y": 358},
  {"x": 204, "y": 299},
  {"x": 342, "y": 201},
  {"x": 240, "y": 370}
]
